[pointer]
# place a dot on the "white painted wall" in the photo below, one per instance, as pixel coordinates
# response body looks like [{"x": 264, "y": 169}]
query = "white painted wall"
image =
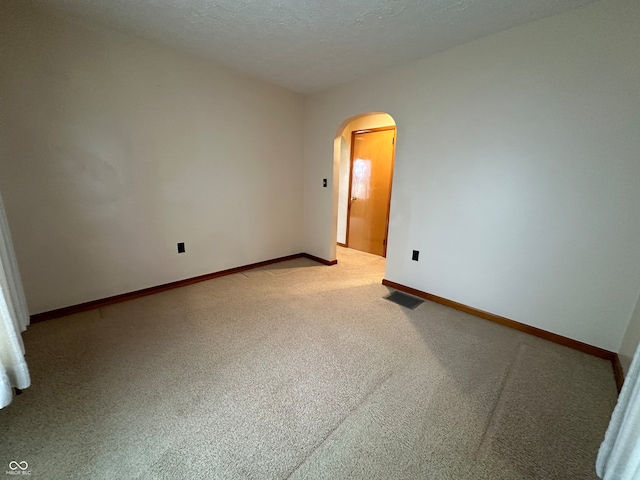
[
  {"x": 113, "y": 149},
  {"x": 631, "y": 339},
  {"x": 516, "y": 174},
  {"x": 371, "y": 120}
]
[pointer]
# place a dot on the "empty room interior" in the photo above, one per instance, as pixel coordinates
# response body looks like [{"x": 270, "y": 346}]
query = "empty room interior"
[{"x": 206, "y": 238}]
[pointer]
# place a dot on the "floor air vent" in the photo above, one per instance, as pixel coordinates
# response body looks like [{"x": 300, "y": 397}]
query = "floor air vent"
[{"x": 405, "y": 300}]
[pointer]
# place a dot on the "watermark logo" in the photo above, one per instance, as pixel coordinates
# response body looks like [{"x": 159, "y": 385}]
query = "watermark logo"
[{"x": 18, "y": 468}]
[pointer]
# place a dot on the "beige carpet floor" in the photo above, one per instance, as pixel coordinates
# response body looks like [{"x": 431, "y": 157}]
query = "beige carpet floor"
[{"x": 301, "y": 371}]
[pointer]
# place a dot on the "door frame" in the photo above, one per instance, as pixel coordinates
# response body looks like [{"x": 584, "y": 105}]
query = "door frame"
[{"x": 393, "y": 157}]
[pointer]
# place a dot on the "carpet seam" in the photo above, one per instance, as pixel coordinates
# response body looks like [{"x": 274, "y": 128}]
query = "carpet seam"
[
  {"x": 497, "y": 402},
  {"x": 382, "y": 381}
]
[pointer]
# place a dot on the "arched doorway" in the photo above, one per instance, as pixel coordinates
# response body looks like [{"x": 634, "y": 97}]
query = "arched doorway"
[{"x": 364, "y": 152}]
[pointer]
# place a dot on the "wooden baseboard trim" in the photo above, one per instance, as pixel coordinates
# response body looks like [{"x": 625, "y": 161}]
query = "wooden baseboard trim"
[
  {"x": 340, "y": 244},
  {"x": 618, "y": 373},
  {"x": 538, "y": 332},
  {"x": 103, "y": 302},
  {"x": 320, "y": 260}
]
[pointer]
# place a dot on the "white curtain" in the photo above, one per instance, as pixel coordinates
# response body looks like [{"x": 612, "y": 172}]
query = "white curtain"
[
  {"x": 619, "y": 455},
  {"x": 14, "y": 318}
]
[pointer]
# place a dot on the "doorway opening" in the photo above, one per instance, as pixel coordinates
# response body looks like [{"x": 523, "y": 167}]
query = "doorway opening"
[{"x": 364, "y": 152}]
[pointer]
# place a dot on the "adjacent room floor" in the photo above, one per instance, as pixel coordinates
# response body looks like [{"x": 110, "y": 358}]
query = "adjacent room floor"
[{"x": 299, "y": 370}]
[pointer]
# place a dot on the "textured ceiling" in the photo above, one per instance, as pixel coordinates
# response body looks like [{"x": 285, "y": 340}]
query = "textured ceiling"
[{"x": 310, "y": 45}]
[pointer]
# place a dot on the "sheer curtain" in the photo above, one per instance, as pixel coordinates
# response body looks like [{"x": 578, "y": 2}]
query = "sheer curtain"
[
  {"x": 619, "y": 455},
  {"x": 14, "y": 318}
]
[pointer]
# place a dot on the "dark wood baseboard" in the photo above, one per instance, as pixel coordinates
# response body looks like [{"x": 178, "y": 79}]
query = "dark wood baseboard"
[
  {"x": 538, "y": 332},
  {"x": 340, "y": 244},
  {"x": 618, "y": 372},
  {"x": 320, "y": 260},
  {"x": 103, "y": 302}
]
